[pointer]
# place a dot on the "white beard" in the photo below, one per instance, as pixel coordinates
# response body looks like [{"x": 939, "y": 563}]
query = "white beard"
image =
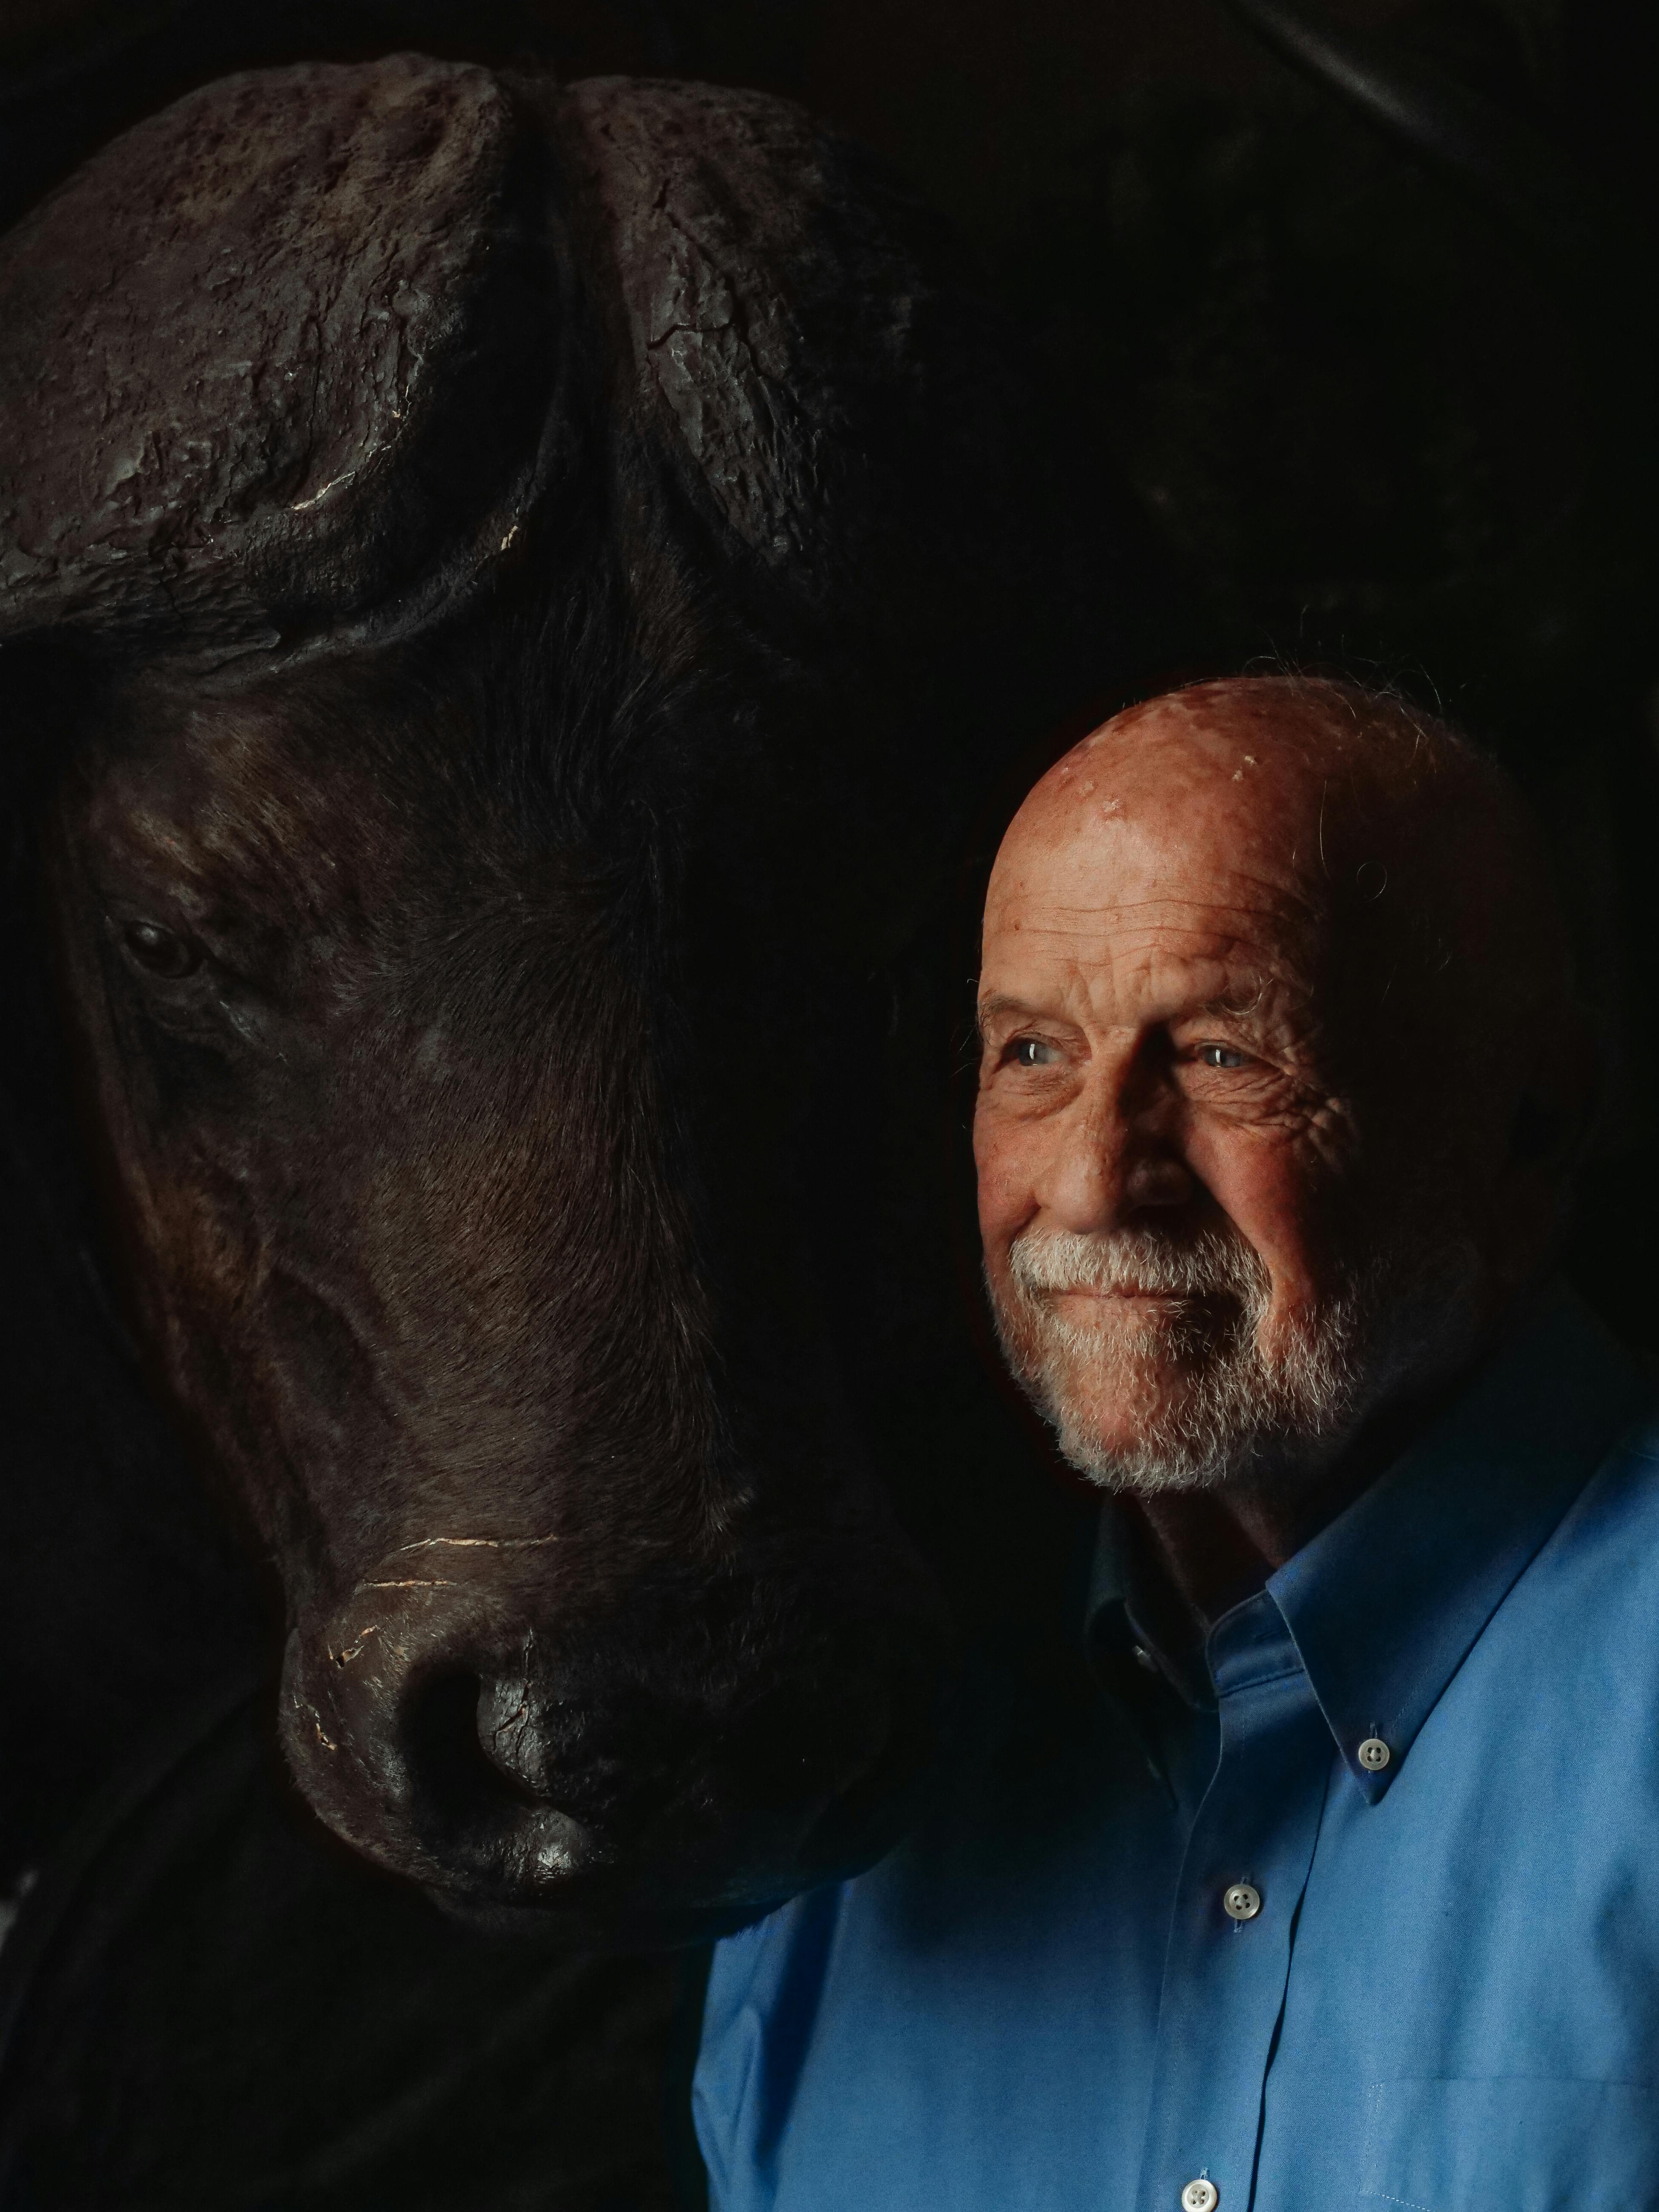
[{"x": 1204, "y": 1400}]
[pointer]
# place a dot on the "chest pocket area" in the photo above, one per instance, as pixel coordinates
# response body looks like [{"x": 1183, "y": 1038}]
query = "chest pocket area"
[{"x": 1513, "y": 2145}]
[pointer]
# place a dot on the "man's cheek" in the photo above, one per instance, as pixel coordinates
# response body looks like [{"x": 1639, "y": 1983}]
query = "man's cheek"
[
  {"x": 1004, "y": 1183},
  {"x": 1271, "y": 1197}
]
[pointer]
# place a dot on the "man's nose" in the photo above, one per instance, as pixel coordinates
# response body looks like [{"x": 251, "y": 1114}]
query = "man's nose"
[{"x": 1113, "y": 1159}]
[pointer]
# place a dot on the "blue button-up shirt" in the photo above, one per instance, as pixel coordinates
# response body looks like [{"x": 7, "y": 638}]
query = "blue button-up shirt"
[{"x": 1448, "y": 1999}]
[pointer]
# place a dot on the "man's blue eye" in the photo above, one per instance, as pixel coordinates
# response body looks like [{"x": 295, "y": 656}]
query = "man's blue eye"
[
  {"x": 1031, "y": 1052},
  {"x": 1221, "y": 1055}
]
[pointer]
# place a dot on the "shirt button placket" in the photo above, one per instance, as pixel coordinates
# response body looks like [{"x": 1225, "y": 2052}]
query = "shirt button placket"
[{"x": 1228, "y": 1959}]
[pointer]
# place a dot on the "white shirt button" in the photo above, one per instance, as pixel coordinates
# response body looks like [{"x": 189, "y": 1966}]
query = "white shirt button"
[
  {"x": 1241, "y": 1900},
  {"x": 1200, "y": 2197},
  {"x": 1374, "y": 1754}
]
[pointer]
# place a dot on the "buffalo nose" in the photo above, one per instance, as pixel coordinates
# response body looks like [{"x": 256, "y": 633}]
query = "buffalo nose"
[
  {"x": 443, "y": 1737},
  {"x": 412, "y": 1719}
]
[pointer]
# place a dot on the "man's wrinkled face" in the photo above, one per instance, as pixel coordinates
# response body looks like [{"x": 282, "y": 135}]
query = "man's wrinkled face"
[{"x": 1198, "y": 1268}]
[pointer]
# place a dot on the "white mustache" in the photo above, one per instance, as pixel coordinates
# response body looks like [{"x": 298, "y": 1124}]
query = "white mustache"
[{"x": 1207, "y": 1266}]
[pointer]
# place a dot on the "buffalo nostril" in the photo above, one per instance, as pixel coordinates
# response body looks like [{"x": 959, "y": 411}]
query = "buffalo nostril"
[
  {"x": 454, "y": 1775},
  {"x": 602, "y": 1763},
  {"x": 476, "y": 1748},
  {"x": 513, "y": 1737}
]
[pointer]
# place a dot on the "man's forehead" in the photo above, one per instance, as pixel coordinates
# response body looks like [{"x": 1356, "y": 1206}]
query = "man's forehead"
[
  {"x": 1186, "y": 871},
  {"x": 1163, "y": 960},
  {"x": 1201, "y": 795},
  {"x": 1166, "y": 843}
]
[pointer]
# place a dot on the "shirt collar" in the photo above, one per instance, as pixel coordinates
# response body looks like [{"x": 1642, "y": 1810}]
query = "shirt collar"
[
  {"x": 1385, "y": 1604},
  {"x": 1133, "y": 1611}
]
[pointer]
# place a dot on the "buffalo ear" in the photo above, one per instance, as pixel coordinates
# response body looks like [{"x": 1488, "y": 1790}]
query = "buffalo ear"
[{"x": 276, "y": 363}]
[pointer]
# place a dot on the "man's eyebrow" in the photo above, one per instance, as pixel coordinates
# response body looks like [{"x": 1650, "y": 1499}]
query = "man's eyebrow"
[
  {"x": 1235, "y": 1003},
  {"x": 999, "y": 1003}
]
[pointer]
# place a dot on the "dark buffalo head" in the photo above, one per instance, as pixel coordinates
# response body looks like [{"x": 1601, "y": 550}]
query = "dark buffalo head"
[{"x": 512, "y": 592}]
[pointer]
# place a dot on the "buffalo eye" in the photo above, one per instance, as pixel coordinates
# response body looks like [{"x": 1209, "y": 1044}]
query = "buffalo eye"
[{"x": 160, "y": 952}]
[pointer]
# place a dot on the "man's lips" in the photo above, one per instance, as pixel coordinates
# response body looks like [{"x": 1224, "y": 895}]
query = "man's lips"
[{"x": 1191, "y": 1304}]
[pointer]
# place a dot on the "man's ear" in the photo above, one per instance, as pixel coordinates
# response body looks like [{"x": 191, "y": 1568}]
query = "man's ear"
[
  {"x": 1561, "y": 1100},
  {"x": 1548, "y": 1129}
]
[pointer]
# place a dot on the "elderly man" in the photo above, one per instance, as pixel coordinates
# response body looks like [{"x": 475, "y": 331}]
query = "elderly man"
[{"x": 1340, "y": 1891}]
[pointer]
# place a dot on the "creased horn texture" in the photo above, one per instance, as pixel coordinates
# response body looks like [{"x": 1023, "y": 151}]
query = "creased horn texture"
[
  {"x": 795, "y": 326},
  {"x": 277, "y": 362},
  {"x": 733, "y": 239}
]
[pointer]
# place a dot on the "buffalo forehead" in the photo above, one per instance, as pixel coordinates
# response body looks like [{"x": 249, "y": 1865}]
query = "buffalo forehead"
[{"x": 218, "y": 334}]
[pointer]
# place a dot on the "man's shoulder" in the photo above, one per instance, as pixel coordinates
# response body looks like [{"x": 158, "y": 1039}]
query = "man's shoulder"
[
  {"x": 1612, "y": 1527},
  {"x": 1622, "y": 1491},
  {"x": 1565, "y": 1425},
  {"x": 1591, "y": 1591}
]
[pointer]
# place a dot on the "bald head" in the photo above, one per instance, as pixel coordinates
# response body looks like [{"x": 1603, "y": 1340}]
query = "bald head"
[{"x": 1273, "y": 972}]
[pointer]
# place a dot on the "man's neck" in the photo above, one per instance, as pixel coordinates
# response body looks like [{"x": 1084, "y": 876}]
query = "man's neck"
[{"x": 1218, "y": 1547}]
